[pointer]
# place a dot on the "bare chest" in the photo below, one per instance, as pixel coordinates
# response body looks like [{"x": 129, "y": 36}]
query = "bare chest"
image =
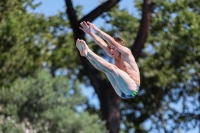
[
  {"x": 123, "y": 65},
  {"x": 130, "y": 67}
]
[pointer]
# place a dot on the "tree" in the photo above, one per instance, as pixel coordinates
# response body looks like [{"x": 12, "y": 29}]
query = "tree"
[
  {"x": 168, "y": 76},
  {"x": 45, "y": 104}
]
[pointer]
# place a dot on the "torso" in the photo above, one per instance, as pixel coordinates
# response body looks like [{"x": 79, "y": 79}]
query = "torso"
[{"x": 127, "y": 64}]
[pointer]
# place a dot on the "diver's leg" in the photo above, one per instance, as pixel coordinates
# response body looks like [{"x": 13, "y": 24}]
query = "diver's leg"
[
  {"x": 114, "y": 84},
  {"x": 109, "y": 75},
  {"x": 122, "y": 79},
  {"x": 95, "y": 65}
]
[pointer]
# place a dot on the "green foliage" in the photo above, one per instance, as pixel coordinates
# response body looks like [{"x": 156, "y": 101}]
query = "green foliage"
[
  {"x": 45, "y": 104},
  {"x": 29, "y": 40},
  {"x": 175, "y": 38},
  {"x": 10, "y": 126},
  {"x": 17, "y": 43},
  {"x": 66, "y": 121},
  {"x": 121, "y": 23}
]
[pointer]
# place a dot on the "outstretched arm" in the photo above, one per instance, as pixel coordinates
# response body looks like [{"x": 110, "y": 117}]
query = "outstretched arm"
[
  {"x": 109, "y": 39},
  {"x": 87, "y": 29}
]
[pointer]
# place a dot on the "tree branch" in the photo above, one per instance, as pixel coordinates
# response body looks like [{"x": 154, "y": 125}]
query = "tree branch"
[
  {"x": 104, "y": 7},
  {"x": 72, "y": 16},
  {"x": 141, "y": 38}
]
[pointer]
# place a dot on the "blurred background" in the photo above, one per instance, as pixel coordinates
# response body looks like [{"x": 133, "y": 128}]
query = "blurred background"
[{"x": 47, "y": 87}]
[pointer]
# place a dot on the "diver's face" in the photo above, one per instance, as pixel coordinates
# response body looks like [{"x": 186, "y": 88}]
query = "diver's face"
[{"x": 114, "y": 52}]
